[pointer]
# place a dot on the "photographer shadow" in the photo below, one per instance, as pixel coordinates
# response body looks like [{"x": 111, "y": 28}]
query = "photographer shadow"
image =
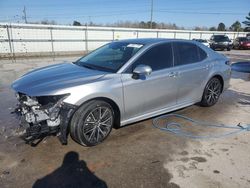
[{"x": 72, "y": 174}]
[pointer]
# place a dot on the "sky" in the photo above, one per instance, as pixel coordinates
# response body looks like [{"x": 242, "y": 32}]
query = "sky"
[{"x": 186, "y": 13}]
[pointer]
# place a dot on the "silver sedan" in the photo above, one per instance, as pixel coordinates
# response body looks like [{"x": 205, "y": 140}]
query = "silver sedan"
[{"x": 119, "y": 83}]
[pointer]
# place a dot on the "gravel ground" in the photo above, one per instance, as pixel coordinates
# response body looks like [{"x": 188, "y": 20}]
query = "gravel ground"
[{"x": 137, "y": 155}]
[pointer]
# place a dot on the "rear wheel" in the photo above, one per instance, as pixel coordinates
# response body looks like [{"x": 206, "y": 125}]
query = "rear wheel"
[
  {"x": 211, "y": 92},
  {"x": 92, "y": 123}
]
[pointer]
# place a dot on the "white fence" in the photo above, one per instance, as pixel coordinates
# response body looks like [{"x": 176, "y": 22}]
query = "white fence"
[{"x": 29, "y": 39}]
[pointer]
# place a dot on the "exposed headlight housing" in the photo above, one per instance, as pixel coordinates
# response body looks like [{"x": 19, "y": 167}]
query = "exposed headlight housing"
[
  {"x": 53, "y": 99},
  {"x": 42, "y": 108}
]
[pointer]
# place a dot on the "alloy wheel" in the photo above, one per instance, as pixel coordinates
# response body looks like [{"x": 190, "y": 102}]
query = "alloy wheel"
[
  {"x": 213, "y": 91},
  {"x": 98, "y": 124}
]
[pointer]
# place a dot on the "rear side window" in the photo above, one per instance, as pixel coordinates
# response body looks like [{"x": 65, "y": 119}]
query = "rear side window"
[
  {"x": 158, "y": 57},
  {"x": 185, "y": 53},
  {"x": 244, "y": 39},
  {"x": 202, "y": 54}
]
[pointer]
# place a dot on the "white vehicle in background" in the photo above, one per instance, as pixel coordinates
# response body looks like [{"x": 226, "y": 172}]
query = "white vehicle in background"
[{"x": 203, "y": 41}]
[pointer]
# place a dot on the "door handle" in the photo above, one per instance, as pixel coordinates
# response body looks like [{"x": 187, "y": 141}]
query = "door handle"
[
  {"x": 206, "y": 66},
  {"x": 172, "y": 74}
]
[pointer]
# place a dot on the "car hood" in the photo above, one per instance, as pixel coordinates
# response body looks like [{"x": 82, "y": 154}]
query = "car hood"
[{"x": 51, "y": 79}]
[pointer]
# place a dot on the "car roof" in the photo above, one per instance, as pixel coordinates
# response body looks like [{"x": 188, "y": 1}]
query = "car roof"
[
  {"x": 200, "y": 39},
  {"x": 146, "y": 41},
  {"x": 221, "y": 35}
]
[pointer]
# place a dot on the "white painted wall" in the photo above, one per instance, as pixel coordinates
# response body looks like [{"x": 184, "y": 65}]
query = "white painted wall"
[{"x": 29, "y": 38}]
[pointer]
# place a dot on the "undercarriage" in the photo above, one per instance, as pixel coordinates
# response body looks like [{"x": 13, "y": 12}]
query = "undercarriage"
[{"x": 43, "y": 116}]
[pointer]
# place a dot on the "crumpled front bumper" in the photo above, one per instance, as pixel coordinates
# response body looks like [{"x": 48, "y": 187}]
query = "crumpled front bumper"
[{"x": 44, "y": 116}]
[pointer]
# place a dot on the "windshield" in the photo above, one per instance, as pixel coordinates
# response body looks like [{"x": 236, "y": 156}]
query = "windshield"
[
  {"x": 110, "y": 57},
  {"x": 244, "y": 39},
  {"x": 221, "y": 38},
  {"x": 201, "y": 40}
]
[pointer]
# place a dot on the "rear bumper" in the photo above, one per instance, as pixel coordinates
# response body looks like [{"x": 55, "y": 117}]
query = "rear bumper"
[
  {"x": 226, "y": 78},
  {"x": 226, "y": 84}
]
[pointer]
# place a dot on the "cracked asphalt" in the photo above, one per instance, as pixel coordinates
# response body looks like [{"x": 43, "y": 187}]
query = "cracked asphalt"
[{"x": 137, "y": 155}]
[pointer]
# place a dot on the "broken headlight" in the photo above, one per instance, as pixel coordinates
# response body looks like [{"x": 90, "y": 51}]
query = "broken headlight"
[
  {"x": 48, "y": 100},
  {"x": 42, "y": 108}
]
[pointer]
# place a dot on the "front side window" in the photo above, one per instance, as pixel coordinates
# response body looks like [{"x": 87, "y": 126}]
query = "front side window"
[
  {"x": 110, "y": 57},
  {"x": 158, "y": 57},
  {"x": 185, "y": 53}
]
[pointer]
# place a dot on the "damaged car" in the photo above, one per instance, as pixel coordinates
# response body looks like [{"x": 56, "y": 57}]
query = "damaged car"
[{"x": 120, "y": 83}]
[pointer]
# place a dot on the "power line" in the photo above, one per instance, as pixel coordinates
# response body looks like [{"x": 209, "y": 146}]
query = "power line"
[
  {"x": 114, "y": 13},
  {"x": 131, "y": 12},
  {"x": 197, "y": 12},
  {"x": 123, "y": 12}
]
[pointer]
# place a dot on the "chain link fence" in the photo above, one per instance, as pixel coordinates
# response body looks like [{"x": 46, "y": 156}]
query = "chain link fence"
[{"x": 29, "y": 40}]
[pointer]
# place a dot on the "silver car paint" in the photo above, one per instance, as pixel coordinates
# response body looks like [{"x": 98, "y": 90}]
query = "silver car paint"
[
  {"x": 54, "y": 79},
  {"x": 145, "y": 96},
  {"x": 136, "y": 99}
]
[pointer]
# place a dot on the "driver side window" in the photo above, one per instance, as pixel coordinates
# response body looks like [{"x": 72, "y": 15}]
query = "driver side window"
[{"x": 158, "y": 57}]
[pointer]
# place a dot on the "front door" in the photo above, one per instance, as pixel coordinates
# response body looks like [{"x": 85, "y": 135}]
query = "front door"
[{"x": 154, "y": 92}]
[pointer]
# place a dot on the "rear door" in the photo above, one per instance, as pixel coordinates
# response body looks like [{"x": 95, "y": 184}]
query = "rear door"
[{"x": 193, "y": 70}]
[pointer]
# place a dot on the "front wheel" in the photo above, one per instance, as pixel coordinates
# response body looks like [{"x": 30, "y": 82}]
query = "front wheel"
[
  {"x": 92, "y": 123},
  {"x": 211, "y": 92}
]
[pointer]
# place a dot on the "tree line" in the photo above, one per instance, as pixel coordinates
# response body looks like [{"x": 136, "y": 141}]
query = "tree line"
[{"x": 236, "y": 26}]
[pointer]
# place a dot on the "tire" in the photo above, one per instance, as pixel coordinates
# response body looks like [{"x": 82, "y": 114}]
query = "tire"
[
  {"x": 228, "y": 49},
  {"x": 211, "y": 92},
  {"x": 92, "y": 123}
]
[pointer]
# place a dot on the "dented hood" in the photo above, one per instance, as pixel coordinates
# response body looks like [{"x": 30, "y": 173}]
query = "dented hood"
[{"x": 51, "y": 79}]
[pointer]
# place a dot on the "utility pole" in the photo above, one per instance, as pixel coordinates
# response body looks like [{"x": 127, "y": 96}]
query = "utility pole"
[
  {"x": 90, "y": 20},
  {"x": 24, "y": 14},
  {"x": 151, "y": 18}
]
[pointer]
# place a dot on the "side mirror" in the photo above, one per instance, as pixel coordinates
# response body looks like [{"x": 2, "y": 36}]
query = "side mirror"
[{"x": 141, "y": 70}]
